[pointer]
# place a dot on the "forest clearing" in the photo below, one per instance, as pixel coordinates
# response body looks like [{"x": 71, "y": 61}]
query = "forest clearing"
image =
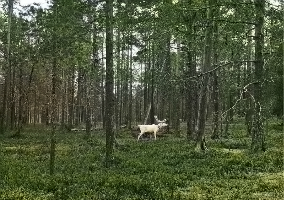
[{"x": 168, "y": 168}]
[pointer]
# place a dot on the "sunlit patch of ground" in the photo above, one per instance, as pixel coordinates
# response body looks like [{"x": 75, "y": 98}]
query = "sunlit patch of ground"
[
  {"x": 232, "y": 150},
  {"x": 270, "y": 181}
]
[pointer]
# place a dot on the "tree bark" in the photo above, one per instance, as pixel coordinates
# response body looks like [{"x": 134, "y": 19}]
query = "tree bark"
[
  {"x": 53, "y": 116},
  {"x": 191, "y": 97},
  {"x": 258, "y": 141},
  {"x": 54, "y": 88},
  {"x": 103, "y": 97},
  {"x": 152, "y": 110},
  {"x": 215, "y": 92},
  {"x": 130, "y": 102},
  {"x": 63, "y": 103},
  {"x": 200, "y": 142},
  {"x": 88, "y": 107},
  {"x": 109, "y": 83},
  {"x": 79, "y": 99},
  {"x": 71, "y": 91},
  {"x": 191, "y": 89},
  {"x": 248, "y": 79},
  {"x": 7, "y": 84},
  {"x": 12, "y": 99},
  {"x": 21, "y": 105},
  {"x": 118, "y": 82}
]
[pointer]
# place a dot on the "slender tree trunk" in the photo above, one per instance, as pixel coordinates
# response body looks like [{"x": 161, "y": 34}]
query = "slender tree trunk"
[
  {"x": 146, "y": 85},
  {"x": 53, "y": 95},
  {"x": 258, "y": 141},
  {"x": 109, "y": 83},
  {"x": 130, "y": 102},
  {"x": 21, "y": 97},
  {"x": 7, "y": 83},
  {"x": 118, "y": 82},
  {"x": 215, "y": 92},
  {"x": 10, "y": 74},
  {"x": 53, "y": 116},
  {"x": 152, "y": 110},
  {"x": 191, "y": 89},
  {"x": 125, "y": 89},
  {"x": 71, "y": 91},
  {"x": 191, "y": 96},
  {"x": 200, "y": 143},
  {"x": 36, "y": 107},
  {"x": 94, "y": 71},
  {"x": 13, "y": 100},
  {"x": 248, "y": 79},
  {"x": 96, "y": 63},
  {"x": 26, "y": 97},
  {"x": 79, "y": 97},
  {"x": 4, "y": 108},
  {"x": 176, "y": 98},
  {"x": 88, "y": 108},
  {"x": 122, "y": 88},
  {"x": 216, "y": 115},
  {"x": 103, "y": 97},
  {"x": 63, "y": 103}
]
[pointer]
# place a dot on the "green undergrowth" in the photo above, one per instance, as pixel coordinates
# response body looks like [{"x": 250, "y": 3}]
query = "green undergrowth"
[{"x": 168, "y": 168}]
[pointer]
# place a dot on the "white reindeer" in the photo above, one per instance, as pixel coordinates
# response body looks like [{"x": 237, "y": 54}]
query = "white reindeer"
[{"x": 150, "y": 129}]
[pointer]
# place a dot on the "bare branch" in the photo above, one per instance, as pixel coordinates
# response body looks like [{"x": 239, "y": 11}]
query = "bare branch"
[
  {"x": 212, "y": 70},
  {"x": 242, "y": 91},
  {"x": 234, "y": 22},
  {"x": 219, "y": 66}
]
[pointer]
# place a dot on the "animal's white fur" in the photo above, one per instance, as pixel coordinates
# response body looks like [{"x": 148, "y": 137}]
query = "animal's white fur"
[{"x": 150, "y": 129}]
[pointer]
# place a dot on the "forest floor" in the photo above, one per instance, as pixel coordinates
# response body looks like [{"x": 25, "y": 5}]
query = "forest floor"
[{"x": 167, "y": 168}]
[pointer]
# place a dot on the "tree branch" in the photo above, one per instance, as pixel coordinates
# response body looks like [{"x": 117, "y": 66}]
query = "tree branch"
[
  {"x": 219, "y": 66},
  {"x": 242, "y": 91},
  {"x": 234, "y": 22}
]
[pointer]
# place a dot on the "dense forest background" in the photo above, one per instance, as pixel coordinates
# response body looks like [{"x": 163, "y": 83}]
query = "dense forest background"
[
  {"x": 77, "y": 77},
  {"x": 186, "y": 61}
]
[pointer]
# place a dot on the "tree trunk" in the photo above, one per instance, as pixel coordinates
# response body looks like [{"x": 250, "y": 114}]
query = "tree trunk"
[
  {"x": 121, "y": 90},
  {"x": 88, "y": 107},
  {"x": 215, "y": 92},
  {"x": 71, "y": 91},
  {"x": 109, "y": 83},
  {"x": 21, "y": 105},
  {"x": 125, "y": 89},
  {"x": 118, "y": 82},
  {"x": 258, "y": 142},
  {"x": 200, "y": 143},
  {"x": 53, "y": 94},
  {"x": 191, "y": 89},
  {"x": 176, "y": 98},
  {"x": 96, "y": 63},
  {"x": 13, "y": 100},
  {"x": 130, "y": 89},
  {"x": 63, "y": 103},
  {"x": 7, "y": 83},
  {"x": 103, "y": 110},
  {"x": 248, "y": 79},
  {"x": 152, "y": 110},
  {"x": 79, "y": 98},
  {"x": 146, "y": 84},
  {"x": 53, "y": 116},
  {"x": 190, "y": 100}
]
